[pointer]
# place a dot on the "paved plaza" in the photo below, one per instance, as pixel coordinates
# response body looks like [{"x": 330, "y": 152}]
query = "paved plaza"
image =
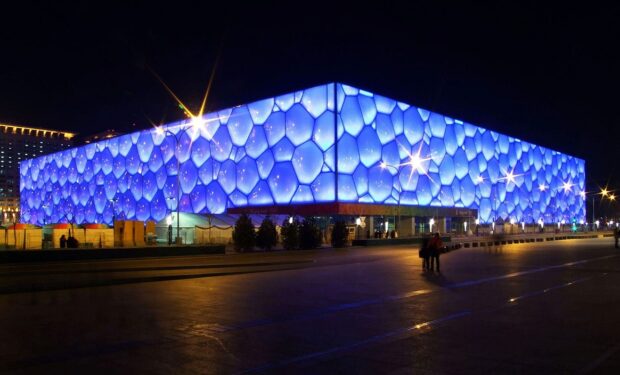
[{"x": 543, "y": 308}]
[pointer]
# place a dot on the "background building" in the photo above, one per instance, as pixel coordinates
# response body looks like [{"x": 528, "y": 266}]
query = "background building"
[
  {"x": 19, "y": 143},
  {"x": 327, "y": 150},
  {"x": 106, "y": 134}
]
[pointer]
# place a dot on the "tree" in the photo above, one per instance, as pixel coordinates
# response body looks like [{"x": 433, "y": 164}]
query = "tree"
[
  {"x": 309, "y": 234},
  {"x": 267, "y": 236},
  {"x": 290, "y": 234},
  {"x": 243, "y": 235},
  {"x": 339, "y": 234}
]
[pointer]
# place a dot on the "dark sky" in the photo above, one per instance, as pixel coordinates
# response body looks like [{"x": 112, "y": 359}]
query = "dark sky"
[{"x": 545, "y": 74}]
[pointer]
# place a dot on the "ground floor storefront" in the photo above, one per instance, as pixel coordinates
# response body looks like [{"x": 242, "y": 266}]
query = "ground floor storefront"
[{"x": 363, "y": 222}]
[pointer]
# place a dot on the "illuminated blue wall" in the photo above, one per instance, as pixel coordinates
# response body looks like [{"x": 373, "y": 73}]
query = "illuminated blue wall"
[{"x": 282, "y": 150}]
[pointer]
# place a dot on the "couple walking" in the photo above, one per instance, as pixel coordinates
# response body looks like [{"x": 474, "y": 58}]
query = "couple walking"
[{"x": 429, "y": 252}]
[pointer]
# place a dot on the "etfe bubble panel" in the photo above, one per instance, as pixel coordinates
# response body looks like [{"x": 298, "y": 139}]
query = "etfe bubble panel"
[
  {"x": 279, "y": 150},
  {"x": 289, "y": 150},
  {"x": 394, "y": 153}
]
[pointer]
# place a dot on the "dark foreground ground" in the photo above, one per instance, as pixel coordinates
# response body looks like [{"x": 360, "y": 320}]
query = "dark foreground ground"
[{"x": 529, "y": 308}]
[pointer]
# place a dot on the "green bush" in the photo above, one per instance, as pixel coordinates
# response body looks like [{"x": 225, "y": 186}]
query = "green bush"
[
  {"x": 339, "y": 234},
  {"x": 309, "y": 234},
  {"x": 290, "y": 234},
  {"x": 267, "y": 236},
  {"x": 243, "y": 235}
]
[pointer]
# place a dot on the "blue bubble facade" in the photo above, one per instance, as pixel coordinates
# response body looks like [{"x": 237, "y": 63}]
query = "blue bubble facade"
[{"x": 324, "y": 144}]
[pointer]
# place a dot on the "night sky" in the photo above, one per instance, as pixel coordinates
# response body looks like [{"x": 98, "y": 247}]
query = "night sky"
[{"x": 546, "y": 75}]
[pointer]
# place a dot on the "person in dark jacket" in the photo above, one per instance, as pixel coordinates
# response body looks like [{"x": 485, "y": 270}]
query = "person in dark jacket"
[
  {"x": 424, "y": 253},
  {"x": 72, "y": 242},
  {"x": 63, "y": 241},
  {"x": 435, "y": 246}
]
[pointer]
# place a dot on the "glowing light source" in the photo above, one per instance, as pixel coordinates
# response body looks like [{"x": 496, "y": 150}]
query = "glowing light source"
[
  {"x": 612, "y": 197},
  {"x": 479, "y": 179},
  {"x": 566, "y": 186},
  {"x": 415, "y": 161},
  {"x": 384, "y": 165},
  {"x": 197, "y": 121},
  {"x": 542, "y": 187}
]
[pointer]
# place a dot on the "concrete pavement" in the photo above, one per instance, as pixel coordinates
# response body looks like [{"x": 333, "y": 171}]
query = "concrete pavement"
[{"x": 534, "y": 307}]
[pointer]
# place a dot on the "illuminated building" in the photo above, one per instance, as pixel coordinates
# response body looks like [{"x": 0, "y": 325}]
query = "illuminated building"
[
  {"x": 19, "y": 143},
  {"x": 327, "y": 150}
]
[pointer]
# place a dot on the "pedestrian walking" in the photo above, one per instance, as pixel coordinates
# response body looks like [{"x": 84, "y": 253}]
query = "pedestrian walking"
[
  {"x": 435, "y": 245},
  {"x": 63, "y": 241},
  {"x": 424, "y": 253},
  {"x": 616, "y": 235},
  {"x": 72, "y": 242}
]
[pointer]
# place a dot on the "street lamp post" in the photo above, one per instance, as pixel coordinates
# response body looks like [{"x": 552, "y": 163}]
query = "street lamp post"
[
  {"x": 176, "y": 136},
  {"x": 198, "y": 122},
  {"x": 385, "y": 165},
  {"x": 113, "y": 203},
  {"x": 592, "y": 209},
  {"x": 604, "y": 193}
]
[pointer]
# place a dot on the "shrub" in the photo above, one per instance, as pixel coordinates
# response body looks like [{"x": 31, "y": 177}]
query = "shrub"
[
  {"x": 266, "y": 237},
  {"x": 243, "y": 235},
  {"x": 290, "y": 234},
  {"x": 339, "y": 234},
  {"x": 309, "y": 234}
]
